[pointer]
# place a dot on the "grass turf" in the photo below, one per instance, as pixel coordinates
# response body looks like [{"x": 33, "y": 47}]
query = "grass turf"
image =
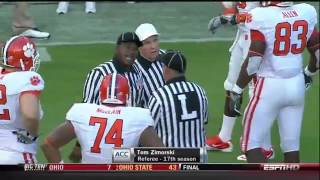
[{"x": 207, "y": 65}]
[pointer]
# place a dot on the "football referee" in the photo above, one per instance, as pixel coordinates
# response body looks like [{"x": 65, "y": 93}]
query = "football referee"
[
  {"x": 122, "y": 62},
  {"x": 179, "y": 108},
  {"x": 148, "y": 60}
]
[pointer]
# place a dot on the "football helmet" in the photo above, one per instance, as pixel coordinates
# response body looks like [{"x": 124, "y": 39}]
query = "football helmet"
[
  {"x": 21, "y": 52},
  {"x": 114, "y": 89},
  {"x": 276, "y": 3}
]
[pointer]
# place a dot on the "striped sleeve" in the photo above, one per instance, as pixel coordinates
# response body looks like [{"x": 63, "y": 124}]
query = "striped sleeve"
[
  {"x": 91, "y": 87},
  {"x": 154, "y": 108},
  {"x": 205, "y": 105},
  {"x": 205, "y": 108}
]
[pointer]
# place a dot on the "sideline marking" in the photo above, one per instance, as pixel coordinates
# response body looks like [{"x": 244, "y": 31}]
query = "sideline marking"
[{"x": 112, "y": 42}]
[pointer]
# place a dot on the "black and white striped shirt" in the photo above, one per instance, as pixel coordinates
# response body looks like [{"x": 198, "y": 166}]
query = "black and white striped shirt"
[
  {"x": 180, "y": 111},
  {"x": 152, "y": 75},
  {"x": 96, "y": 75}
]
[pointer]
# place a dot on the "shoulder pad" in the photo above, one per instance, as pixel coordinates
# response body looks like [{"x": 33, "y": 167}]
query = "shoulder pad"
[
  {"x": 17, "y": 82},
  {"x": 79, "y": 111},
  {"x": 256, "y": 18}
]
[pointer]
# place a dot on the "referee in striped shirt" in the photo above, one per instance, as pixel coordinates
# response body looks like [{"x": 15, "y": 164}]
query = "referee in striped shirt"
[
  {"x": 122, "y": 63},
  {"x": 179, "y": 108},
  {"x": 148, "y": 60}
]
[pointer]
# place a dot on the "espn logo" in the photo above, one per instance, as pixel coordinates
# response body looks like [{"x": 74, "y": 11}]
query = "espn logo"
[
  {"x": 281, "y": 167},
  {"x": 121, "y": 155}
]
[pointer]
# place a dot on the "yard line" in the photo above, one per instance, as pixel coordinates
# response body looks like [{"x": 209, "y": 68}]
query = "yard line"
[
  {"x": 44, "y": 54},
  {"x": 42, "y": 44}
]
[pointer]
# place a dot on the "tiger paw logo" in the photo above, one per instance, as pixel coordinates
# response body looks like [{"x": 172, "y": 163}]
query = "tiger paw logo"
[
  {"x": 35, "y": 80},
  {"x": 28, "y": 50}
]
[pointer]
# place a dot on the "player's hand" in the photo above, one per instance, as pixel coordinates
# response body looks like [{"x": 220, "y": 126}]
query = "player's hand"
[
  {"x": 75, "y": 155},
  {"x": 23, "y": 136},
  {"x": 214, "y": 24},
  {"x": 307, "y": 81},
  {"x": 228, "y": 19},
  {"x": 235, "y": 103}
]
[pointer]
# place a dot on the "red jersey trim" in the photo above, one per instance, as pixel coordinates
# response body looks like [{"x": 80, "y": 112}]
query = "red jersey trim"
[
  {"x": 254, "y": 53},
  {"x": 37, "y": 93},
  {"x": 257, "y": 36}
]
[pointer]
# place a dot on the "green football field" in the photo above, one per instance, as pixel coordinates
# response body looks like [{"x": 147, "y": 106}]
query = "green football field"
[
  {"x": 80, "y": 42},
  {"x": 207, "y": 65}
]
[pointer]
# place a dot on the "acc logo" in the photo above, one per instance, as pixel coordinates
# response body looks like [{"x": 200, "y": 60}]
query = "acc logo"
[
  {"x": 121, "y": 155},
  {"x": 35, "y": 80}
]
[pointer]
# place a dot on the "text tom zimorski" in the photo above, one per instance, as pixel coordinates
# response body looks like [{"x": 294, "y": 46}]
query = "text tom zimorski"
[{"x": 156, "y": 152}]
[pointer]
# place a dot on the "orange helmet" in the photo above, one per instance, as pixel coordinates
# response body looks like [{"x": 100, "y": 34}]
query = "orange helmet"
[
  {"x": 114, "y": 89},
  {"x": 21, "y": 52}
]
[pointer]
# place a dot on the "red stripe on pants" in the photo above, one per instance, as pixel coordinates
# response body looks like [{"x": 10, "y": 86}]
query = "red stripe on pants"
[{"x": 251, "y": 110}]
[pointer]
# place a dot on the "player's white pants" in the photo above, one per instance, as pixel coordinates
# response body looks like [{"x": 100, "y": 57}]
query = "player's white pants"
[
  {"x": 10, "y": 157},
  {"x": 275, "y": 98}
]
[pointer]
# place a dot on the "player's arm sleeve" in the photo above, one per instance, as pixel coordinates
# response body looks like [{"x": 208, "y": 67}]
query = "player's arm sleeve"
[
  {"x": 252, "y": 63},
  {"x": 32, "y": 83},
  {"x": 155, "y": 109},
  {"x": 255, "y": 19},
  {"x": 91, "y": 87}
]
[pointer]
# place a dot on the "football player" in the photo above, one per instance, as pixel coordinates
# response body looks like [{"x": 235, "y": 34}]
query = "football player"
[
  {"x": 235, "y": 13},
  {"x": 20, "y": 110},
  {"x": 275, "y": 56},
  {"x": 99, "y": 128}
]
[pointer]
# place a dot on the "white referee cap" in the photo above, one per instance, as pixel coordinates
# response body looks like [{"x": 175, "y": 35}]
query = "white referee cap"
[{"x": 146, "y": 30}]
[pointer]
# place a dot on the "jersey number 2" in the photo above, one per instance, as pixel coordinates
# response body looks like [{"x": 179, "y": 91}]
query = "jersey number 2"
[
  {"x": 283, "y": 36},
  {"x": 114, "y": 136},
  {"x": 4, "y": 115}
]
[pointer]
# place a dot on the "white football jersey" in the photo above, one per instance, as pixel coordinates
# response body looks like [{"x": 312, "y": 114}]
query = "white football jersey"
[
  {"x": 286, "y": 31},
  {"x": 11, "y": 86},
  {"x": 243, "y": 34},
  {"x": 100, "y": 128}
]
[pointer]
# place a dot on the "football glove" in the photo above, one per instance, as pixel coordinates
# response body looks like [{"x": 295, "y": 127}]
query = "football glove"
[
  {"x": 23, "y": 136},
  {"x": 217, "y": 21},
  {"x": 307, "y": 81},
  {"x": 235, "y": 103},
  {"x": 214, "y": 24},
  {"x": 229, "y": 19}
]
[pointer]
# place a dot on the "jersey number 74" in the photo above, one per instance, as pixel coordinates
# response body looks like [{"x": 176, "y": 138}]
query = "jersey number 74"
[{"x": 114, "y": 135}]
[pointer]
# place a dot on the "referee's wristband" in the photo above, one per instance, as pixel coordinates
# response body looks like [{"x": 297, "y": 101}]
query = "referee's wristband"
[
  {"x": 237, "y": 89},
  {"x": 309, "y": 73}
]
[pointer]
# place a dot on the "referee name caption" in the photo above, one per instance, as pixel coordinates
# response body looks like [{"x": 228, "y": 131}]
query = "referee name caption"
[
  {"x": 157, "y": 155},
  {"x": 167, "y": 155}
]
